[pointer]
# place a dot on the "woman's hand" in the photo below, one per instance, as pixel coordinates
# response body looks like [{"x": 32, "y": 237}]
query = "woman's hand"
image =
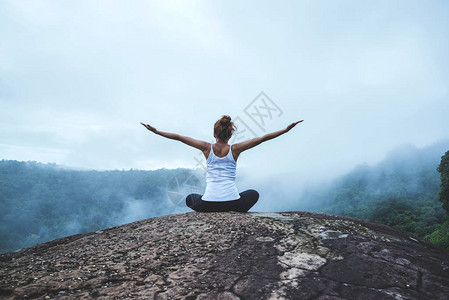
[
  {"x": 149, "y": 127},
  {"x": 293, "y": 125},
  {"x": 201, "y": 145},
  {"x": 243, "y": 146}
]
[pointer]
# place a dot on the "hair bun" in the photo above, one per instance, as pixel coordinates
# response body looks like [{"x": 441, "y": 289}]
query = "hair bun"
[
  {"x": 225, "y": 120},
  {"x": 224, "y": 128}
]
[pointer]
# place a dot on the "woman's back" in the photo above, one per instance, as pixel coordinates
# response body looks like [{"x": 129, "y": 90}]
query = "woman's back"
[
  {"x": 221, "y": 150},
  {"x": 220, "y": 177}
]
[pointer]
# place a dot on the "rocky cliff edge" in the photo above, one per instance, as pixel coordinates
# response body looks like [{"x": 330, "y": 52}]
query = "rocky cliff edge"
[{"x": 291, "y": 255}]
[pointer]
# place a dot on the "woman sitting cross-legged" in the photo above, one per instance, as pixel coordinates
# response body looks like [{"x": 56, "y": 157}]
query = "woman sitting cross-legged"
[{"x": 221, "y": 159}]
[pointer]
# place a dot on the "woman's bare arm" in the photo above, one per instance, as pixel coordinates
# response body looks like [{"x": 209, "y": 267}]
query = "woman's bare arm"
[
  {"x": 201, "y": 145},
  {"x": 240, "y": 147}
]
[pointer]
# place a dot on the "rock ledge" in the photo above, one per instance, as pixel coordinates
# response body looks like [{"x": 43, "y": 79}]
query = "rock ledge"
[{"x": 290, "y": 255}]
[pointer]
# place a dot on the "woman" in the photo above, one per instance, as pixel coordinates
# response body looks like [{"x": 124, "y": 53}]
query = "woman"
[{"x": 221, "y": 193}]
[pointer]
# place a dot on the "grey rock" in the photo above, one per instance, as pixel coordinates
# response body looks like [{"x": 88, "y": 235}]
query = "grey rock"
[{"x": 292, "y": 255}]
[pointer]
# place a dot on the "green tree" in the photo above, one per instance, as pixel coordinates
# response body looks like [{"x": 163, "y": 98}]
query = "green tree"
[
  {"x": 443, "y": 169},
  {"x": 440, "y": 236}
]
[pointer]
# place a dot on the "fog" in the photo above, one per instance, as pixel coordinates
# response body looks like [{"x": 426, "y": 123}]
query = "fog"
[
  {"x": 77, "y": 77},
  {"x": 42, "y": 202}
]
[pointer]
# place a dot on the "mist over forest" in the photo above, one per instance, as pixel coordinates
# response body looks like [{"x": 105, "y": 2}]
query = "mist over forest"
[
  {"x": 41, "y": 202},
  {"x": 400, "y": 191}
]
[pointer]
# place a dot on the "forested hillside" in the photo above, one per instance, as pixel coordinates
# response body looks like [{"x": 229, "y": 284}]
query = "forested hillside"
[
  {"x": 40, "y": 202},
  {"x": 401, "y": 191}
]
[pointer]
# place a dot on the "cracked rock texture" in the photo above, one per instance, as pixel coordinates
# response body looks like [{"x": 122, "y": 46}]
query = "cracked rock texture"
[{"x": 292, "y": 255}]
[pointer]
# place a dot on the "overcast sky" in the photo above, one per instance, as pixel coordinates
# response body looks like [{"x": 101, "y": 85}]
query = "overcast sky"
[{"x": 77, "y": 77}]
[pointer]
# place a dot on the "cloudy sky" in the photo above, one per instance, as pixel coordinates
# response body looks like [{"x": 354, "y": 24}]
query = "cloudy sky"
[{"x": 77, "y": 77}]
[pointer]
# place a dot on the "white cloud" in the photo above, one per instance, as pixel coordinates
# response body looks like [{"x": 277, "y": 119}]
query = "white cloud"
[{"x": 77, "y": 77}]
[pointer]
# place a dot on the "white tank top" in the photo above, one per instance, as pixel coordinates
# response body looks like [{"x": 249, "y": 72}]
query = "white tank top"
[{"x": 220, "y": 177}]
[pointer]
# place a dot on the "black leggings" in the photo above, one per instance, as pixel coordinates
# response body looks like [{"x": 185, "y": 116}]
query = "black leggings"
[{"x": 247, "y": 200}]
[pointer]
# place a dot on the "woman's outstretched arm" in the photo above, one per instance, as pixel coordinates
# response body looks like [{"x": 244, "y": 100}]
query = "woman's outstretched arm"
[
  {"x": 240, "y": 147},
  {"x": 201, "y": 145}
]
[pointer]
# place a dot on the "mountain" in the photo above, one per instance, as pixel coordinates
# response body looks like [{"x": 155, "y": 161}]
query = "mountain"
[
  {"x": 289, "y": 255},
  {"x": 41, "y": 202},
  {"x": 400, "y": 191}
]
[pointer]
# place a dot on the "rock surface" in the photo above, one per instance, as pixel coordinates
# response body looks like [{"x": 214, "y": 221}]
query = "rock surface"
[{"x": 293, "y": 255}]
